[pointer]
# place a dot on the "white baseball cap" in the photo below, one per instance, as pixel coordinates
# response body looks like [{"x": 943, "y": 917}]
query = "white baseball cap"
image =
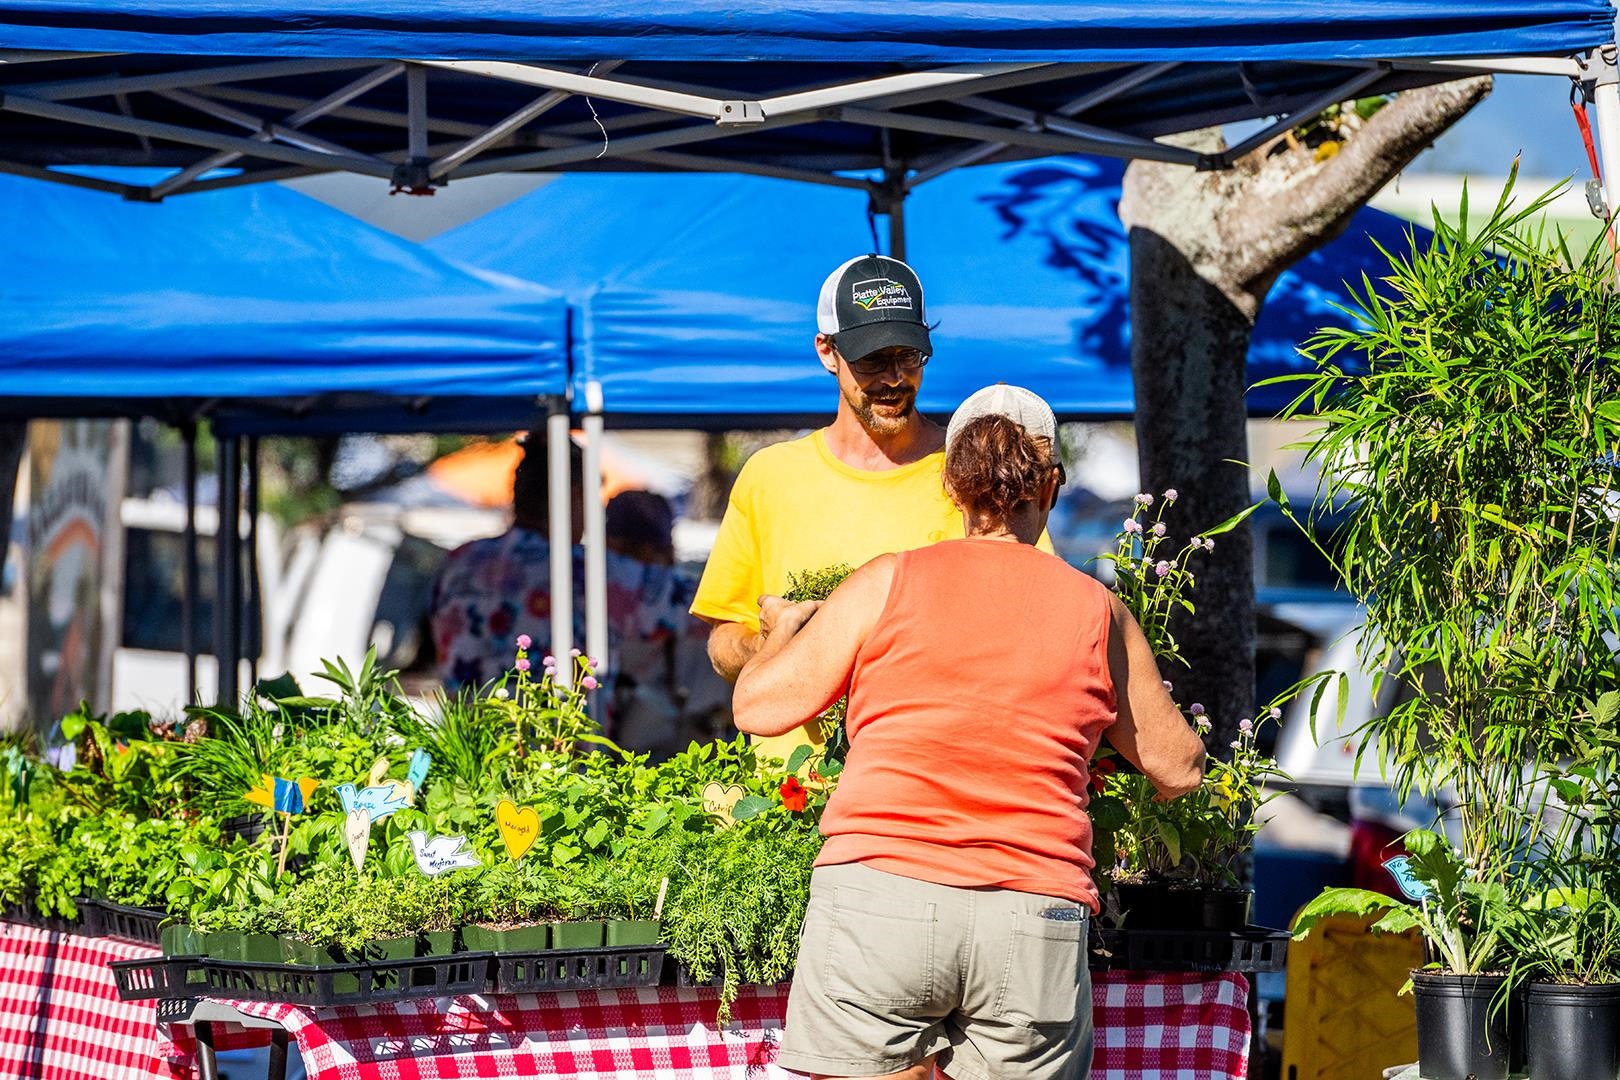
[{"x": 1023, "y": 407}]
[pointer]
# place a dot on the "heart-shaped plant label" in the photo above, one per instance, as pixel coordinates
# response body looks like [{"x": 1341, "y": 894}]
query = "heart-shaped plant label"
[
  {"x": 357, "y": 831},
  {"x": 719, "y": 801},
  {"x": 520, "y": 827}
]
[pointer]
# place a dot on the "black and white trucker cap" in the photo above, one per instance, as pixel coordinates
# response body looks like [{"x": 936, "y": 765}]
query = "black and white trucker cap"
[{"x": 871, "y": 303}]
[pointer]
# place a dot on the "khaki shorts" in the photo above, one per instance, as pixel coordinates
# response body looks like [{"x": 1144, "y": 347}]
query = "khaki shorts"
[{"x": 892, "y": 970}]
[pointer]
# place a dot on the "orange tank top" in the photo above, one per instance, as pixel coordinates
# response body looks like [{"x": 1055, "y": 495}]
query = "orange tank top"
[{"x": 974, "y": 707}]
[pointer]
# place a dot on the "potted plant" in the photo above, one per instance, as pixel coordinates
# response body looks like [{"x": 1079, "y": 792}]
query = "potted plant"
[
  {"x": 511, "y": 905},
  {"x": 1178, "y": 864},
  {"x": 1473, "y": 435}
]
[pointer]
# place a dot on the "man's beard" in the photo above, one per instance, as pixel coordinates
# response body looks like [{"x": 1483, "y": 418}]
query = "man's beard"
[{"x": 889, "y": 421}]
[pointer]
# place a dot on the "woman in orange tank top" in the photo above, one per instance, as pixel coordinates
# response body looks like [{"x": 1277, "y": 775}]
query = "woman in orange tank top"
[{"x": 947, "y": 916}]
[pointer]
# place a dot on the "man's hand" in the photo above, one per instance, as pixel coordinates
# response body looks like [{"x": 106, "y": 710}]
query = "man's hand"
[{"x": 731, "y": 644}]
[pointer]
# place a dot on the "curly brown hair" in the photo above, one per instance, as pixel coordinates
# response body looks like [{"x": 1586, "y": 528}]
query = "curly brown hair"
[{"x": 994, "y": 467}]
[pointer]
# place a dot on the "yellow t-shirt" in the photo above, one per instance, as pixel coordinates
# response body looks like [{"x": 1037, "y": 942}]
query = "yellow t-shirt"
[{"x": 797, "y": 508}]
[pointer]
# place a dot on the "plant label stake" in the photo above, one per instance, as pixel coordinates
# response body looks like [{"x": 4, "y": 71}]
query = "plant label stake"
[
  {"x": 416, "y": 771},
  {"x": 441, "y": 854},
  {"x": 719, "y": 801},
  {"x": 1400, "y": 868},
  {"x": 285, "y": 797},
  {"x": 357, "y": 831},
  {"x": 520, "y": 828},
  {"x": 379, "y": 801},
  {"x": 663, "y": 890}
]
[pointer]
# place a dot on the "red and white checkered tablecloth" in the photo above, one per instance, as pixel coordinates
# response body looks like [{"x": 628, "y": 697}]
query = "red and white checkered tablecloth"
[
  {"x": 1149, "y": 1027},
  {"x": 60, "y": 1016}
]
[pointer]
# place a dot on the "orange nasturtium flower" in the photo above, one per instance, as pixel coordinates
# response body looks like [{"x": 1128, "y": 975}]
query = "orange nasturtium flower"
[{"x": 793, "y": 794}]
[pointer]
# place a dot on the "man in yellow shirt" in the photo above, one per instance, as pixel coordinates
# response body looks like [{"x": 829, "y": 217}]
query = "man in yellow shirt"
[{"x": 865, "y": 485}]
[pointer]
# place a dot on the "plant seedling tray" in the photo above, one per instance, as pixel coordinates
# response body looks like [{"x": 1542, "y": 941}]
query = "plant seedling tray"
[
  {"x": 159, "y": 978},
  {"x": 321, "y": 985},
  {"x": 1252, "y": 949},
  {"x": 102, "y": 918},
  {"x": 578, "y": 969}
]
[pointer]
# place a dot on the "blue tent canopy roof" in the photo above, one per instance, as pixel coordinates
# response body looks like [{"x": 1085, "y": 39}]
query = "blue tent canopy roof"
[
  {"x": 697, "y": 293},
  {"x": 823, "y": 31},
  {"x": 260, "y": 294},
  {"x": 793, "y": 87}
]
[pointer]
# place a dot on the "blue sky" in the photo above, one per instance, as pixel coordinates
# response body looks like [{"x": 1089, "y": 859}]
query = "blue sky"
[{"x": 1524, "y": 113}]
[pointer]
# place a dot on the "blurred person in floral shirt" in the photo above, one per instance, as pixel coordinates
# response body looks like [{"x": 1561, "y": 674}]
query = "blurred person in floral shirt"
[{"x": 493, "y": 590}]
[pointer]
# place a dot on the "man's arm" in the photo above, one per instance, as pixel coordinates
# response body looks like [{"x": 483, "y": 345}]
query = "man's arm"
[
  {"x": 805, "y": 664},
  {"x": 1150, "y": 730},
  {"x": 732, "y": 644}
]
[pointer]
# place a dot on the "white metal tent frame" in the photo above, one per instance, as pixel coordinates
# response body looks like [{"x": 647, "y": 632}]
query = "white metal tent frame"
[{"x": 667, "y": 121}]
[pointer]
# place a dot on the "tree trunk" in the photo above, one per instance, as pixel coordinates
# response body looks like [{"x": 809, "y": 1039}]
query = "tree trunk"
[
  {"x": 13, "y": 440},
  {"x": 1205, "y": 249},
  {"x": 1192, "y": 341}
]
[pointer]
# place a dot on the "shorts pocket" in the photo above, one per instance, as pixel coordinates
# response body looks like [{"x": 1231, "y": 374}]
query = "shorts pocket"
[
  {"x": 880, "y": 950},
  {"x": 1046, "y": 974}
]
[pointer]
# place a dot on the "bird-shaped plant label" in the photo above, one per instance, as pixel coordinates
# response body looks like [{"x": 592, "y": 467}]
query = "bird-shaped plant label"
[
  {"x": 282, "y": 795},
  {"x": 416, "y": 772},
  {"x": 379, "y": 801},
  {"x": 441, "y": 854},
  {"x": 520, "y": 828},
  {"x": 719, "y": 801},
  {"x": 357, "y": 832}
]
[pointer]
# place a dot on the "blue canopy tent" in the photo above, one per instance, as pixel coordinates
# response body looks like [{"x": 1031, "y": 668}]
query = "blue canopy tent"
[
  {"x": 258, "y": 297},
  {"x": 696, "y": 294}
]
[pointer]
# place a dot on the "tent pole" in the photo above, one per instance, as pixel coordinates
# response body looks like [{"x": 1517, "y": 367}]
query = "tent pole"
[
  {"x": 227, "y": 571},
  {"x": 251, "y": 555},
  {"x": 188, "y": 595},
  {"x": 596, "y": 627},
  {"x": 561, "y": 483},
  {"x": 1606, "y": 96}
]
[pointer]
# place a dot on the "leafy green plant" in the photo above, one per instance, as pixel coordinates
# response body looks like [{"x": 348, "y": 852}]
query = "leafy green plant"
[
  {"x": 818, "y": 585},
  {"x": 1470, "y": 423}
]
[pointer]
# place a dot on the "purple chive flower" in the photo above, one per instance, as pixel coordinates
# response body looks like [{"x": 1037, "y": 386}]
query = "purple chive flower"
[
  {"x": 1158, "y": 528},
  {"x": 1275, "y": 714},
  {"x": 550, "y": 672},
  {"x": 1144, "y": 499},
  {"x": 575, "y": 653},
  {"x": 593, "y": 661},
  {"x": 1203, "y": 725},
  {"x": 1246, "y": 726},
  {"x": 588, "y": 682},
  {"x": 1162, "y": 568},
  {"x": 1196, "y": 709},
  {"x": 1171, "y": 495},
  {"x": 1168, "y": 686},
  {"x": 549, "y": 661},
  {"x": 1209, "y": 545},
  {"x": 1236, "y": 745},
  {"x": 524, "y": 641},
  {"x": 522, "y": 664},
  {"x": 1133, "y": 526}
]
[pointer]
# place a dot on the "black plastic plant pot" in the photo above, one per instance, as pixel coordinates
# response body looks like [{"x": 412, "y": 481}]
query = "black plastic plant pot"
[
  {"x": 1227, "y": 909},
  {"x": 587, "y": 934},
  {"x": 1573, "y": 1032},
  {"x": 1463, "y": 1030},
  {"x": 1154, "y": 905}
]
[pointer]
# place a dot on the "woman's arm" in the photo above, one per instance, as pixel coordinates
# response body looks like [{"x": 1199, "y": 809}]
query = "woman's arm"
[
  {"x": 805, "y": 664},
  {"x": 1150, "y": 731}
]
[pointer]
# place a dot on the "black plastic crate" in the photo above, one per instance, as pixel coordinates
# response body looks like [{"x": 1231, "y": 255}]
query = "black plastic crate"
[
  {"x": 102, "y": 918},
  {"x": 348, "y": 984},
  {"x": 159, "y": 977},
  {"x": 578, "y": 969},
  {"x": 27, "y": 913},
  {"x": 1252, "y": 949}
]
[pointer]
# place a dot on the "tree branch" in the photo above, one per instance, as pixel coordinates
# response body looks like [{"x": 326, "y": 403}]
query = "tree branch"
[{"x": 1319, "y": 205}]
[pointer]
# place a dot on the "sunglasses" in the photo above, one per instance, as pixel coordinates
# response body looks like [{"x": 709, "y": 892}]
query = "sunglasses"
[{"x": 880, "y": 362}]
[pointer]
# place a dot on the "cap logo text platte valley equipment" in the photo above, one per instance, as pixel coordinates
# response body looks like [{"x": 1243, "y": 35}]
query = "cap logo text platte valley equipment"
[{"x": 880, "y": 294}]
